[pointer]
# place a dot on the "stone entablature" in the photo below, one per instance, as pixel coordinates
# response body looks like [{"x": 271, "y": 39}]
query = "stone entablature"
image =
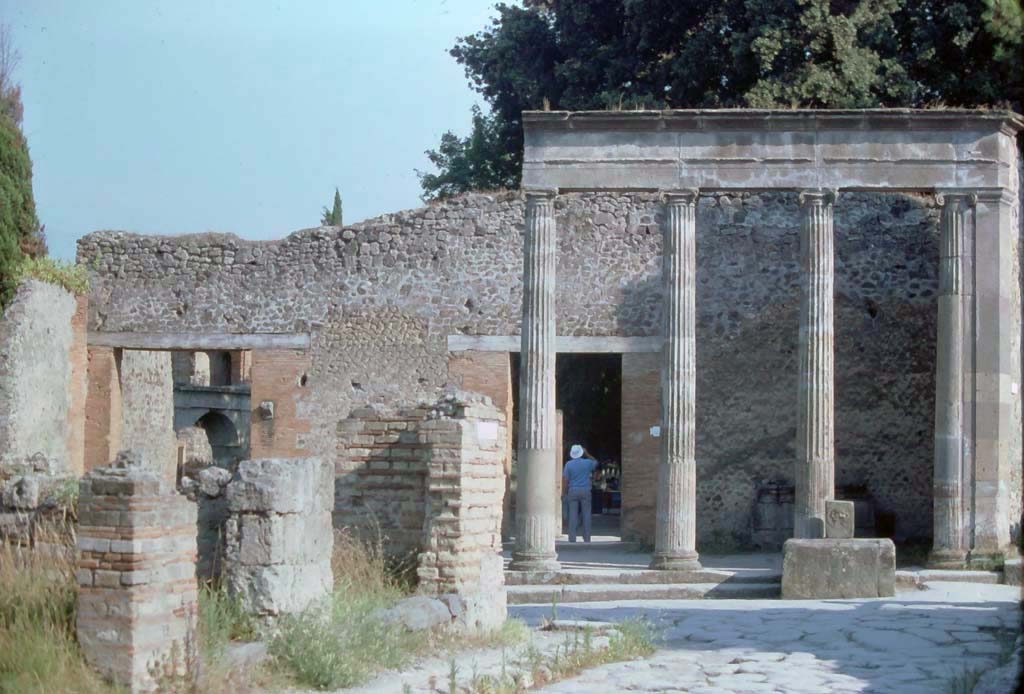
[{"x": 749, "y": 149}]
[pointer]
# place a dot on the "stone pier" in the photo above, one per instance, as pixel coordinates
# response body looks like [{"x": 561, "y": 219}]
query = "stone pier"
[
  {"x": 949, "y": 550},
  {"x": 536, "y": 525},
  {"x": 675, "y": 532},
  {"x": 815, "y": 445}
]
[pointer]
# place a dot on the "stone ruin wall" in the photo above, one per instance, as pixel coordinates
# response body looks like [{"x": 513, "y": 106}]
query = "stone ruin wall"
[
  {"x": 42, "y": 399},
  {"x": 381, "y": 297}
]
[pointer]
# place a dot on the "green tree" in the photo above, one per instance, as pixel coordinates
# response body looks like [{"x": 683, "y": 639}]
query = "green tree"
[
  {"x": 626, "y": 54},
  {"x": 332, "y": 217},
  {"x": 20, "y": 232},
  {"x": 18, "y": 223}
]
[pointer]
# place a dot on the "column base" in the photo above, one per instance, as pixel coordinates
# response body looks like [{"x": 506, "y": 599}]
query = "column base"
[
  {"x": 947, "y": 559},
  {"x": 675, "y": 561},
  {"x": 986, "y": 560},
  {"x": 528, "y": 561}
]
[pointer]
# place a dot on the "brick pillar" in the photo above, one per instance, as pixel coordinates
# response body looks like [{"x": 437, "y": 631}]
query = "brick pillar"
[
  {"x": 279, "y": 538},
  {"x": 137, "y": 596},
  {"x": 641, "y": 409},
  {"x": 461, "y": 561}
]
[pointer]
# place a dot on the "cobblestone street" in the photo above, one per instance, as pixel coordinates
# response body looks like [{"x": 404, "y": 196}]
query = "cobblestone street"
[{"x": 914, "y": 643}]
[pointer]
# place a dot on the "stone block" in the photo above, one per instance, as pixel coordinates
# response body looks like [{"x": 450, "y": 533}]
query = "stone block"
[
  {"x": 839, "y": 520},
  {"x": 282, "y": 485},
  {"x": 831, "y": 568},
  {"x": 268, "y": 591},
  {"x": 279, "y": 539}
]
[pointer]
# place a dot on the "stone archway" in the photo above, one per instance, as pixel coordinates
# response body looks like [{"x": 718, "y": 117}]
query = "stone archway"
[{"x": 223, "y": 437}]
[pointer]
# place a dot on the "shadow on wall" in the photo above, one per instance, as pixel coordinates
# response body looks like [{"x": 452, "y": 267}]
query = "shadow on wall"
[{"x": 748, "y": 298}]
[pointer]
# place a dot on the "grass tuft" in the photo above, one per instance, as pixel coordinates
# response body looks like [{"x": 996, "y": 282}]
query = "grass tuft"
[{"x": 70, "y": 276}]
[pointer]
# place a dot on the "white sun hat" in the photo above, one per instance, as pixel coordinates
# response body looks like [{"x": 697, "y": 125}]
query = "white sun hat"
[{"x": 576, "y": 451}]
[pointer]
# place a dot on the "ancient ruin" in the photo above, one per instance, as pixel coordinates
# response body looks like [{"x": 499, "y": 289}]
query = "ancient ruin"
[{"x": 418, "y": 378}]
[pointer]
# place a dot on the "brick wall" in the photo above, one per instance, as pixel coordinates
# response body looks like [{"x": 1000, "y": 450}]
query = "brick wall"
[
  {"x": 380, "y": 476},
  {"x": 280, "y": 378},
  {"x": 641, "y": 409}
]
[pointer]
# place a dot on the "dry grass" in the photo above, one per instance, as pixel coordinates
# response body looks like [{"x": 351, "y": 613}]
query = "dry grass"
[{"x": 38, "y": 592}]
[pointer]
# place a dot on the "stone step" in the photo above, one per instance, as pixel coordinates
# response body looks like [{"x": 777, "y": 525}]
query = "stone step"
[
  {"x": 599, "y": 546},
  {"x": 916, "y": 577},
  {"x": 565, "y": 594},
  {"x": 636, "y": 577}
]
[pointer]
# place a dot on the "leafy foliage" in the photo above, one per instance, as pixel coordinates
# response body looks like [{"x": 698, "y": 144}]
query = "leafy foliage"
[
  {"x": 332, "y": 217},
  {"x": 626, "y": 54},
  {"x": 74, "y": 278}
]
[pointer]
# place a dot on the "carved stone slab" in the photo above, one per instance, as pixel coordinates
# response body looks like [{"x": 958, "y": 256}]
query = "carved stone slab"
[{"x": 839, "y": 521}]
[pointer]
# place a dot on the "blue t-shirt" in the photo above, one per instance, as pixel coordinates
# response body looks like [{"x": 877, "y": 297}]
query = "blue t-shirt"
[{"x": 578, "y": 472}]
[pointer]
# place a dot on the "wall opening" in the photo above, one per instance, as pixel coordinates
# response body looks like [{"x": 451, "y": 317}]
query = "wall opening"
[
  {"x": 223, "y": 438},
  {"x": 589, "y": 397}
]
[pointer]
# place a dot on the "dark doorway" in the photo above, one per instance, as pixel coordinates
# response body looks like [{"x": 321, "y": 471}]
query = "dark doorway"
[
  {"x": 223, "y": 438},
  {"x": 589, "y": 395}
]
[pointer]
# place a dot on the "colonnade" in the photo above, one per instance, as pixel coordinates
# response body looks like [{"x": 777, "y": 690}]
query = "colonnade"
[{"x": 814, "y": 469}]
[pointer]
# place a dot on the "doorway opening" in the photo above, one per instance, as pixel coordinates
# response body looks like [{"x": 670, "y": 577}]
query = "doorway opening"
[{"x": 588, "y": 395}]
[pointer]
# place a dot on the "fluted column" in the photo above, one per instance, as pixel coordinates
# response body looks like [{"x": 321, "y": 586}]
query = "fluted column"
[
  {"x": 815, "y": 441},
  {"x": 536, "y": 525},
  {"x": 675, "y": 535},
  {"x": 949, "y": 548}
]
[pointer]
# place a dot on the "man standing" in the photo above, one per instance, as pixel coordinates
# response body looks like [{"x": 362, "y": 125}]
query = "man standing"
[{"x": 576, "y": 477}]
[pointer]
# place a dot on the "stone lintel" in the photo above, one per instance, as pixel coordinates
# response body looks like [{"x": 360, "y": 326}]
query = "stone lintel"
[
  {"x": 191, "y": 341},
  {"x": 563, "y": 344}
]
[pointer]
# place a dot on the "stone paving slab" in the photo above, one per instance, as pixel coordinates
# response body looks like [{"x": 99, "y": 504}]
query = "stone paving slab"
[{"x": 913, "y": 643}]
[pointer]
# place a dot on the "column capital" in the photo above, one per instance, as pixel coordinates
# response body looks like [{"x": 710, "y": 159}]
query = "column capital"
[
  {"x": 682, "y": 196},
  {"x": 954, "y": 196},
  {"x": 817, "y": 197},
  {"x": 540, "y": 193}
]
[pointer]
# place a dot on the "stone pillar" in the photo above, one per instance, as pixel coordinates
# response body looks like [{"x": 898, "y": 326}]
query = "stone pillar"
[
  {"x": 279, "y": 537},
  {"x": 675, "y": 534},
  {"x": 815, "y": 443},
  {"x": 996, "y": 394},
  {"x": 949, "y": 550},
  {"x": 535, "y": 503},
  {"x": 137, "y": 596}
]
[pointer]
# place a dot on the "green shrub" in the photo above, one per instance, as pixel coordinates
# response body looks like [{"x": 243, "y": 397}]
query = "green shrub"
[{"x": 70, "y": 276}]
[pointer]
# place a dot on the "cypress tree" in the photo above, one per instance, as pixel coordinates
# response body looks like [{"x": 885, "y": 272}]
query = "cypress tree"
[
  {"x": 19, "y": 227},
  {"x": 332, "y": 218}
]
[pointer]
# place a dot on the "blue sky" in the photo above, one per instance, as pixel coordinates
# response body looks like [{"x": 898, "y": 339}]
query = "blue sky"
[{"x": 230, "y": 115}]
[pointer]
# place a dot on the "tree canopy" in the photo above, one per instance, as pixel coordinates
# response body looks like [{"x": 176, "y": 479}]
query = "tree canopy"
[{"x": 627, "y": 54}]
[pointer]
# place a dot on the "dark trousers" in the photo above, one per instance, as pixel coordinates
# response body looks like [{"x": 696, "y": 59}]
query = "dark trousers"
[{"x": 579, "y": 506}]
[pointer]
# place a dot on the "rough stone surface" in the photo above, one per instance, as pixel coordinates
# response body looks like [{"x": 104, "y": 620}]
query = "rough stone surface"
[
  {"x": 418, "y": 613},
  {"x": 1012, "y": 572},
  {"x": 381, "y": 297},
  {"x": 822, "y": 569},
  {"x": 36, "y": 378},
  {"x": 839, "y": 520},
  {"x": 147, "y": 407},
  {"x": 137, "y": 594},
  {"x": 279, "y": 536}
]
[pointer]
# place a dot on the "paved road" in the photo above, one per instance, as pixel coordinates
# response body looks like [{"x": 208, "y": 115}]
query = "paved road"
[{"x": 914, "y": 643}]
